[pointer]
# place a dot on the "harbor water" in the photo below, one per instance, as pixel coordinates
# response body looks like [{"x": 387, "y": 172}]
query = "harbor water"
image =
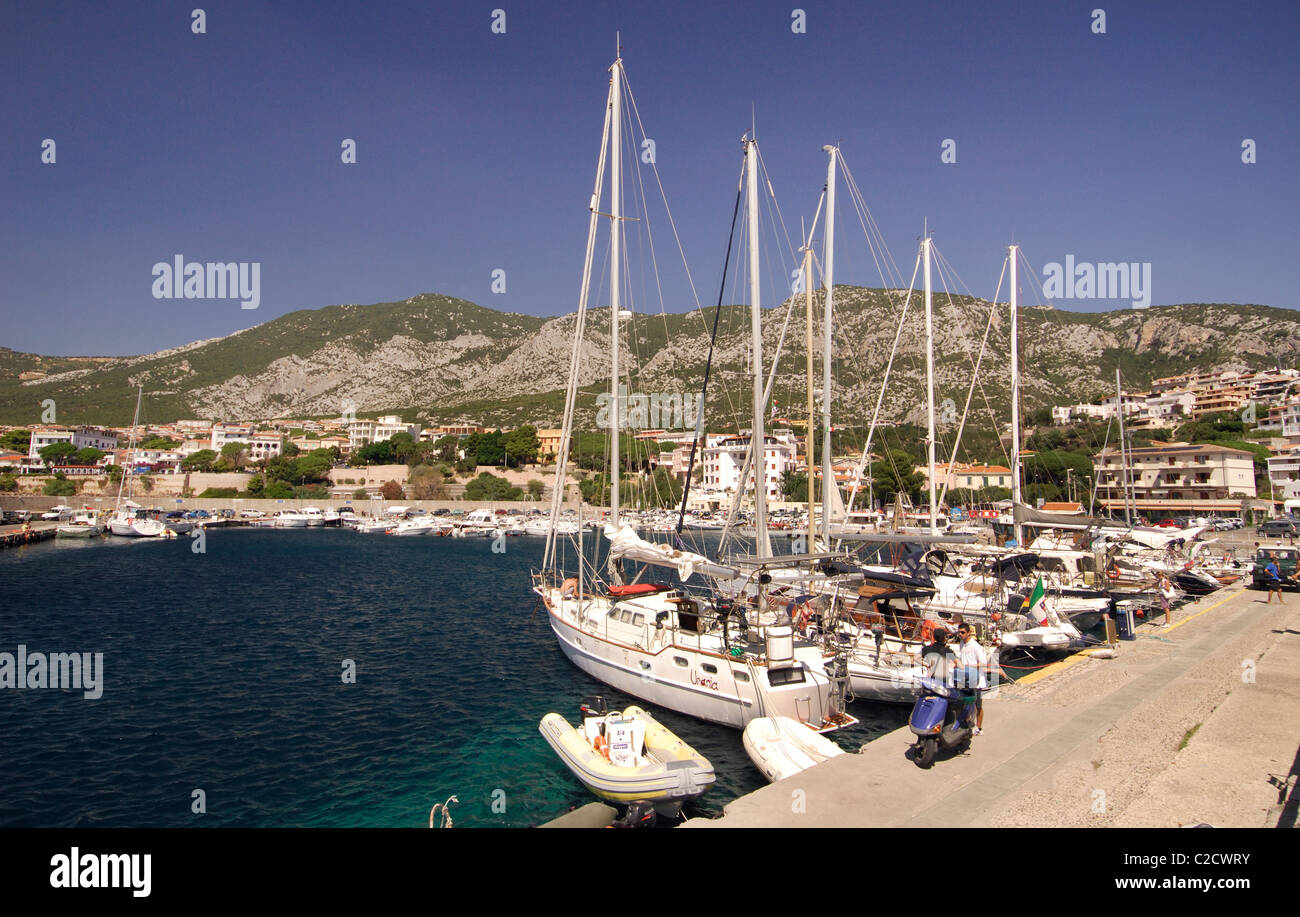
[{"x": 228, "y": 697}]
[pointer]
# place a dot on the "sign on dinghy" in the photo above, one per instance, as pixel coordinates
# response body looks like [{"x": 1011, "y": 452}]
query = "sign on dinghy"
[{"x": 629, "y": 757}]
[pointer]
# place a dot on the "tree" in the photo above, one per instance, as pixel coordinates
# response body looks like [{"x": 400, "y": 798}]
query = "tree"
[
  {"x": 490, "y": 487},
  {"x": 894, "y": 475},
  {"x": 203, "y": 460},
  {"x": 359, "y": 493},
  {"x": 256, "y": 484},
  {"x": 278, "y": 490},
  {"x": 87, "y": 456},
  {"x": 536, "y": 488},
  {"x": 426, "y": 483},
  {"x": 314, "y": 466},
  {"x": 380, "y": 453},
  {"x": 233, "y": 456},
  {"x": 488, "y": 448},
  {"x": 402, "y": 446},
  {"x": 447, "y": 448},
  {"x": 159, "y": 442},
  {"x": 521, "y": 445},
  {"x": 16, "y": 440},
  {"x": 794, "y": 486},
  {"x": 8, "y": 483},
  {"x": 662, "y": 489},
  {"x": 392, "y": 491},
  {"x": 57, "y": 453}
]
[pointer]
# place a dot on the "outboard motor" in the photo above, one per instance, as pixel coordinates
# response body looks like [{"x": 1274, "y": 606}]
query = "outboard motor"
[{"x": 637, "y": 815}]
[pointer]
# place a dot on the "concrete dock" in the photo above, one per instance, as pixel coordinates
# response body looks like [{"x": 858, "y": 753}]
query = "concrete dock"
[{"x": 1198, "y": 722}]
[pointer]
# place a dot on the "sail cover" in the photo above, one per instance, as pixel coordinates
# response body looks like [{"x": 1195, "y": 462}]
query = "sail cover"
[
  {"x": 625, "y": 543},
  {"x": 1027, "y": 515}
]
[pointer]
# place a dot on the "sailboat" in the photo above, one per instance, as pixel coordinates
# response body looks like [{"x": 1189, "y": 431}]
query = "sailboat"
[
  {"x": 126, "y": 519},
  {"x": 697, "y": 654}
]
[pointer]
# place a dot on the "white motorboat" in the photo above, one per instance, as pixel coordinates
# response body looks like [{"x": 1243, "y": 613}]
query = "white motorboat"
[
  {"x": 629, "y": 757},
  {"x": 781, "y": 747}
]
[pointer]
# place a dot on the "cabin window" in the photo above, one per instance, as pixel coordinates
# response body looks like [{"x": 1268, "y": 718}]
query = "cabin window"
[
  {"x": 779, "y": 677},
  {"x": 678, "y": 660},
  {"x": 645, "y": 666},
  {"x": 740, "y": 674},
  {"x": 638, "y": 619},
  {"x": 710, "y": 668}
]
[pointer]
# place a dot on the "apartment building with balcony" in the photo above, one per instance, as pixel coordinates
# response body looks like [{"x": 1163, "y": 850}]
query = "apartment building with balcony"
[{"x": 1163, "y": 479}]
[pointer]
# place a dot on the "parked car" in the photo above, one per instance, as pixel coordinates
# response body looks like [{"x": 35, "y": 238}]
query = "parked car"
[{"x": 1277, "y": 528}]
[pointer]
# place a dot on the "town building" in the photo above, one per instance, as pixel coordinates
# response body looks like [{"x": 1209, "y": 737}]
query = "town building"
[
  {"x": 1176, "y": 478},
  {"x": 963, "y": 476},
  {"x": 364, "y": 432},
  {"x": 81, "y": 437},
  {"x": 723, "y": 458}
]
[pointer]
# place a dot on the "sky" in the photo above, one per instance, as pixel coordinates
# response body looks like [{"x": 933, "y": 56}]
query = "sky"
[{"x": 477, "y": 136}]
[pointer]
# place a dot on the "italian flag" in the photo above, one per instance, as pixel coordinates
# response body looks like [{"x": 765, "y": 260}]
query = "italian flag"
[{"x": 1034, "y": 604}]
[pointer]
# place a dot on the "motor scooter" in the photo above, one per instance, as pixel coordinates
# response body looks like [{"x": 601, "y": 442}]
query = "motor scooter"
[{"x": 942, "y": 716}]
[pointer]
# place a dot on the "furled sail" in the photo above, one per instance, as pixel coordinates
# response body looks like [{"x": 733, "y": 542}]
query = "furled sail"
[{"x": 626, "y": 544}]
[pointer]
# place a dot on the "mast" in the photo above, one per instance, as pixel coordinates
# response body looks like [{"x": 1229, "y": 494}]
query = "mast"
[
  {"x": 808, "y": 431},
  {"x": 130, "y": 447},
  {"x": 758, "y": 437},
  {"x": 1123, "y": 456},
  {"x": 1019, "y": 529},
  {"x": 566, "y": 431},
  {"x": 929, "y": 380},
  {"x": 828, "y": 476},
  {"x": 615, "y": 176}
]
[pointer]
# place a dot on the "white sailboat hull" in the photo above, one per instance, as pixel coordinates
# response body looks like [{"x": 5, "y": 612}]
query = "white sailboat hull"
[
  {"x": 657, "y": 676},
  {"x": 137, "y": 528}
]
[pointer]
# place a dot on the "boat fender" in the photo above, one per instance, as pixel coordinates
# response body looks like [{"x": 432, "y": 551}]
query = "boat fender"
[
  {"x": 601, "y": 744},
  {"x": 927, "y": 631},
  {"x": 569, "y": 588}
]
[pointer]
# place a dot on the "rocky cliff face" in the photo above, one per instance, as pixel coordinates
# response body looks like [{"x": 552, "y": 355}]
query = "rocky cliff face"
[{"x": 443, "y": 359}]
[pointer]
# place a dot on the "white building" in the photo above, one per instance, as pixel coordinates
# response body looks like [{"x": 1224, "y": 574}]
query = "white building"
[
  {"x": 1177, "y": 478},
  {"x": 724, "y": 456},
  {"x": 1284, "y": 474},
  {"x": 364, "y": 432},
  {"x": 81, "y": 437},
  {"x": 259, "y": 446}
]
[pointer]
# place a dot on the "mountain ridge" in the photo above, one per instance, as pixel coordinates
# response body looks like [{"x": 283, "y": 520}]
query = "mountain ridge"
[{"x": 437, "y": 358}]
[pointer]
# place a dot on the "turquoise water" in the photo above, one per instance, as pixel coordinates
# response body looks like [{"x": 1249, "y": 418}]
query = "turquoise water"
[{"x": 223, "y": 673}]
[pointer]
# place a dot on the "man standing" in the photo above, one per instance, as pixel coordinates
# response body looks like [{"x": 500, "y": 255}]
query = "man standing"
[
  {"x": 1274, "y": 573},
  {"x": 973, "y": 662}
]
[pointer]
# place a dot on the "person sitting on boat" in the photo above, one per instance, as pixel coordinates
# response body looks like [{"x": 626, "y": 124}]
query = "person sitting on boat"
[{"x": 972, "y": 662}]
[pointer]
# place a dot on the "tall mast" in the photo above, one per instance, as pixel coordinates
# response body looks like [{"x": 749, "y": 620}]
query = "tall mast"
[
  {"x": 130, "y": 447},
  {"x": 1123, "y": 456},
  {"x": 566, "y": 430},
  {"x": 929, "y": 381},
  {"x": 758, "y": 437},
  {"x": 1015, "y": 396},
  {"x": 828, "y": 476},
  {"x": 615, "y": 233},
  {"x": 808, "y": 431}
]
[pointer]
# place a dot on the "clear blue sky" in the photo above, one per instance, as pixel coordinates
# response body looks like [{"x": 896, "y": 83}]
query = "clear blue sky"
[{"x": 477, "y": 151}]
